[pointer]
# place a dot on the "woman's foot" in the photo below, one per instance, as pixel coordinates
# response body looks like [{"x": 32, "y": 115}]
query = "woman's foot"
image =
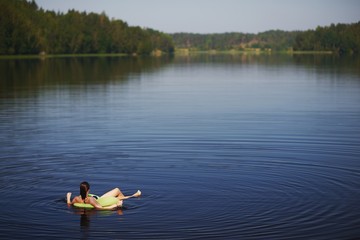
[{"x": 137, "y": 194}]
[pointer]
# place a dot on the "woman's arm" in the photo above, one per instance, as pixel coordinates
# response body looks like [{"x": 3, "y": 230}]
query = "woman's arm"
[
  {"x": 68, "y": 198},
  {"x": 75, "y": 199}
]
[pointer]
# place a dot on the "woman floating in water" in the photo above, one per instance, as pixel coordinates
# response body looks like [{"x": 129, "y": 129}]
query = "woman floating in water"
[{"x": 108, "y": 201}]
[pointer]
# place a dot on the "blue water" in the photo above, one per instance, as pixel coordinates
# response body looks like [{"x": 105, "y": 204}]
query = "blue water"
[{"x": 243, "y": 146}]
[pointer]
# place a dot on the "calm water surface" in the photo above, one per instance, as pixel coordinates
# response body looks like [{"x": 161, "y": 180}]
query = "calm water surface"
[{"x": 222, "y": 147}]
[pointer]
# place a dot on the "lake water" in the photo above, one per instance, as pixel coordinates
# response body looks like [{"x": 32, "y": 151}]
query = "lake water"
[{"x": 222, "y": 146}]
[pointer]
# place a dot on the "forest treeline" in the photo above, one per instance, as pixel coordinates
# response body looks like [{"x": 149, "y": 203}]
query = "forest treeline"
[
  {"x": 27, "y": 29},
  {"x": 340, "y": 38}
]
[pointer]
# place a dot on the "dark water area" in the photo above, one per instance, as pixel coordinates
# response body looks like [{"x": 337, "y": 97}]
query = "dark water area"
[{"x": 222, "y": 146}]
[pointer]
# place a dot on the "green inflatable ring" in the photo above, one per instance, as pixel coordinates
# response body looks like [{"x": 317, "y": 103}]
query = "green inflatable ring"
[{"x": 103, "y": 201}]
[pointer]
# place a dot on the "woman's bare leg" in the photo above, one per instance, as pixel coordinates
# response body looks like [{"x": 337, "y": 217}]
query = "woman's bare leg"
[
  {"x": 117, "y": 193},
  {"x": 114, "y": 193}
]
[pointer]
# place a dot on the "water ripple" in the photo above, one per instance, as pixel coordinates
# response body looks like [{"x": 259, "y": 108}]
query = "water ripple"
[{"x": 262, "y": 151}]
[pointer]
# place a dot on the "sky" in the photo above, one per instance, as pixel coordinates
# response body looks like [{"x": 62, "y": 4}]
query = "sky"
[{"x": 218, "y": 16}]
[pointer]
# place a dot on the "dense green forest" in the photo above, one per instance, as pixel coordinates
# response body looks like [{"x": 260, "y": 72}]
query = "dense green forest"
[
  {"x": 27, "y": 29},
  {"x": 340, "y": 38}
]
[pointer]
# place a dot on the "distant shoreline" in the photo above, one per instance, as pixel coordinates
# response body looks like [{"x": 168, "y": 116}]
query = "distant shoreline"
[
  {"x": 178, "y": 52},
  {"x": 246, "y": 51}
]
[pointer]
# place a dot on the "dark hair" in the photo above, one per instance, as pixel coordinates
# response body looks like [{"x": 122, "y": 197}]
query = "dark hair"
[{"x": 84, "y": 188}]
